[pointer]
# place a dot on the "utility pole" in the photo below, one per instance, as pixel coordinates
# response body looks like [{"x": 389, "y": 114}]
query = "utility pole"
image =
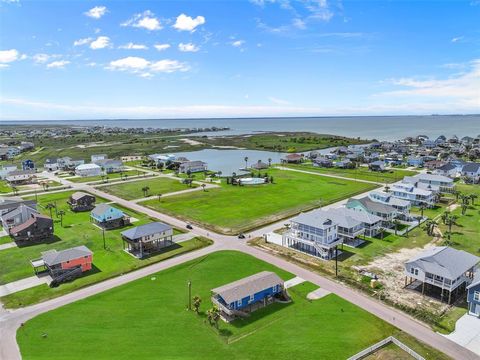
[
  {"x": 103, "y": 235},
  {"x": 189, "y": 295}
]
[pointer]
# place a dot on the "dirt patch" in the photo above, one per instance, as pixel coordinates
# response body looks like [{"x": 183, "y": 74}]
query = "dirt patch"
[
  {"x": 390, "y": 270},
  {"x": 191, "y": 142}
]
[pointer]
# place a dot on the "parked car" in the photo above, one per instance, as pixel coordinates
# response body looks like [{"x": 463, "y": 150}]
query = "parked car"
[
  {"x": 190, "y": 227},
  {"x": 241, "y": 236}
]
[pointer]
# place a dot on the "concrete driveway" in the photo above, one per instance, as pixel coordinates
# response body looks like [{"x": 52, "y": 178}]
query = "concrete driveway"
[{"x": 467, "y": 333}]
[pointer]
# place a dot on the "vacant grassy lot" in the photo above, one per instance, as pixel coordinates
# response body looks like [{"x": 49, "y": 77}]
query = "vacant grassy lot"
[
  {"x": 113, "y": 176},
  {"x": 4, "y": 187},
  {"x": 77, "y": 230},
  {"x": 232, "y": 209},
  {"x": 361, "y": 173},
  {"x": 152, "y": 312},
  {"x": 133, "y": 190}
]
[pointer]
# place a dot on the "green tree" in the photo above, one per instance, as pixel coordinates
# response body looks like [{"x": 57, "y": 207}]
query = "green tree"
[
  {"x": 197, "y": 301},
  {"x": 61, "y": 213}
]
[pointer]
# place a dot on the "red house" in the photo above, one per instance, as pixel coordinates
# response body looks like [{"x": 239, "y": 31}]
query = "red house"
[{"x": 61, "y": 262}]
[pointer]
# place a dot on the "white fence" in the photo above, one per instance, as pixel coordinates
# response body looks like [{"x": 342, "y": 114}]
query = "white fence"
[{"x": 381, "y": 344}]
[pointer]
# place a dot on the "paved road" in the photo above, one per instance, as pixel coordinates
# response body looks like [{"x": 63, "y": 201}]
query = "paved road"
[{"x": 11, "y": 320}]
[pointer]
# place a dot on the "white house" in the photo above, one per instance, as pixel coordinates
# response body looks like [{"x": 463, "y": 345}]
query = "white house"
[
  {"x": 471, "y": 171},
  {"x": 21, "y": 177},
  {"x": 88, "y": 170},
  {"x": 192, "y": 166},
  {"x": 96, "y": 157},
  {"x": 413, "y": 194},
  {"x": 7, "y": 169}
]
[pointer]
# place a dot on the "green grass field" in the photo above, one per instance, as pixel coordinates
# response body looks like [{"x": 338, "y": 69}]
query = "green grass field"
[
  {"x": 361, "y": 173},
  {"x": 113, "y": 176},
  {"x": 77, "y": 230},
  {"x": 232, "y": 209},
  {"x": 133, "y": 190},
  {"x": 147, "y": 319},
  {"x": 4, "y": 187}
]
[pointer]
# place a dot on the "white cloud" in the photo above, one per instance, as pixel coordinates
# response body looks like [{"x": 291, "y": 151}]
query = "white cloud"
[
  {"x": 83, "y": 41},
  {"x": 101, "y": 43},
  {"x": 161, "y": 47},
  {"x": 188, "y": 47},
  {"x": 238, "y": 43},
  {"x": 146, "y": 20},
  {"x": 8, "y": 56},
  {"x": 278, "y": 101},
  {"x": 461, "y": 88},
  {"x": 41, "y": 58},
  {"x": 97, "y": 12},
  {"x": 457, "y": 39},
  {"x": 145, "y": 67},
  {"x": 132, "y": 46},
  {"x": 187, "y": 23},
  {"x": 60, "y": 64}
]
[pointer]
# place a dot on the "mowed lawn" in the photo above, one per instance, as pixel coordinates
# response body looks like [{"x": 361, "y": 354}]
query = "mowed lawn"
[
  {"x": 232, "y": 209},
  {"x": 113, "y": 176},
  {"x": 133, "y": 190},
  {"x": 78, "y": 230},
  {"x": 147, "y": 319},
  {"x": 361, "y": 173}
]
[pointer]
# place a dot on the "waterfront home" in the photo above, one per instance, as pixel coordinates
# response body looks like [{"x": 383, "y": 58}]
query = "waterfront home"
[
  {"x": 259, "y": 165},
  {"x": 18, "y": 215},
  {"x": 292, "y": 159},
  {"x": 416, "y": 195},
  {"x": 162, "y": 158},
  {"x": 402, "y": 206},
  {"x": 192, "y": 167},
  {"x": 471, "y": 171},
  {"x": 57, "y": 263},
  {"x": 36, "y": 227},
  {"x": 448, "y": 169},
  {"x": 21, "y": 177},
  {"x": 344, "y": 164},
  {"x": 85, "y": 170},
  {"x": 377, "y": 166},
  {"x": 28, "y": 165},
  {"x": 110, "y": 165},
  {"x": 109, "y": 217},
  {"x": 441, "y": 269},
  {"x": 434, "y": 165},
  {"x": 80, "y": 201},
  {"x": 313, "y": 233},
  {"x": 366, "y": 204},
  {"x": 146, "y": 239},
  {"x": 51, "y": 164},
  {"x": 7, "y": 169},
  {"x": 94, "y": 158},
  {"x": 248, "y": 294},
  {"x": 353, "y": 224}
]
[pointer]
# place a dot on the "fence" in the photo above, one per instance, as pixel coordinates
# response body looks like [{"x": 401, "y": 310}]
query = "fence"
[{"x": 381, "y": 344}]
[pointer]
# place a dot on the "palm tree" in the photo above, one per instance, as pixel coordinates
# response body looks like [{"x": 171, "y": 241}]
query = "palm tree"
[
  {"x": 430, "y": 226},
  {"x": 464, "y": 208},
  {"x": 382, "y": 230},
  {"x": 145, "y": 190},
  {"x": 387, "y": 188},
  {"x": 213, "y": 315},
  {"x": 269, "y": 162},
  {"x": 473, "y": 197},
  {"x": 61, "y": 213},
  {"x": 159, "y": 196},
  {"x": 445, "y": 216},
  {"x": 396, "y": 222},
  {"x": 422, "y": 208},
  {"x": 196, "y": 303},
  {"x": 50, "y": 206},
  {"x": 452, "y": 220},
  {"x": 246, "y": 162},
  {"x": 15, "y": 190},
  {"x": 203, "y": 187}
]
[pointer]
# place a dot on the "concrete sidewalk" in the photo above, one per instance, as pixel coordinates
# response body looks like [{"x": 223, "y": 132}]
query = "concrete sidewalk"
[
  {"x": 23, "y": 284},
  {"x": 467, "y": 333}
]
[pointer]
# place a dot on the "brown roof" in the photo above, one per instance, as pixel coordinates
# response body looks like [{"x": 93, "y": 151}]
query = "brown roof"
[{"x": 28, "y": 223}]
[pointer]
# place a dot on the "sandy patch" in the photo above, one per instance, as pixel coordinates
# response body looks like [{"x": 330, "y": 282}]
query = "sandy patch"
[
  {"x": 318, "y": 294},
  {"x": 191, "y": 142}
]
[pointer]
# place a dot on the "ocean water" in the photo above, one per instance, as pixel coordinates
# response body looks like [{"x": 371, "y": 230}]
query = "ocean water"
[{"x": 366, "y": 127}]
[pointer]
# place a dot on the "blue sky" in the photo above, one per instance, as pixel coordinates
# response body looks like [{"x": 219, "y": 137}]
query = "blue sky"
[{"x": 164, "y": 59}]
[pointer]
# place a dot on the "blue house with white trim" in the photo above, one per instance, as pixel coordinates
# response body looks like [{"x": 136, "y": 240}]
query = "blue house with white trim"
[
  {"x": 109, "y": 217},
  {"x": 248, "y": 294},
  {"x": 473, "y": 296},
  {"x": 28, "y": 165}
]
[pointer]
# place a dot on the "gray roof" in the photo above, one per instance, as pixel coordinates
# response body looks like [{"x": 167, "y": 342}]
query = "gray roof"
[
  {"x": 54, "y": 257},
  {"x": 23, "y": 210},
  {"x": 144, "y": 230},
  {"x": 21, "y": 172},
  {"x": 433, "y": 177},
  {"x": 12, "y": 202},
  {"x": 444, "y": 261},
  {"x": 79, "y": 194},
  {"x": 109, "y": 162},
  {"x": 374, "y": 206},
  {"x": 447, "y": 167},
  {"x": 471, "y": 167},
  {"x": 360, "y": 216},
  {"x": 316, "y": 218},
  {"x": 247, "y": 286}
]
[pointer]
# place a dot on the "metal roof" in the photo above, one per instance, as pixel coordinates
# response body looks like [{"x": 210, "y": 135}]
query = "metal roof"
[
  {"x": 144, "y": 230},
  {"x": 444, "y": 261},
  {"x": 245, "y": 287},
  {"x": 54, "y": 257}
]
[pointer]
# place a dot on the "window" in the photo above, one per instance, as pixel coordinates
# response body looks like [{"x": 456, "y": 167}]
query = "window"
[
  {"x": 251, "y": 298},
  {"x": 414, "y": 271},
  {"x": 476, "y": 296},
  {"x": 239, "y": 302},
  {"x": 274, "y": 288}
]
